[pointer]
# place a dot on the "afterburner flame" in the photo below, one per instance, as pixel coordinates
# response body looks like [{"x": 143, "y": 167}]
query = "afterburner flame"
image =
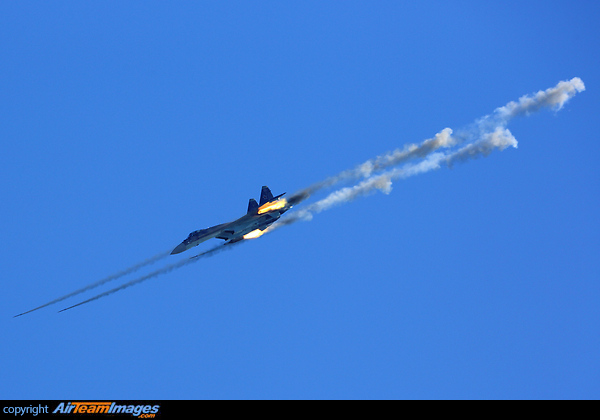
[
  {"x": 254, "y": 234},
  {"x": 273, "y": 205}
]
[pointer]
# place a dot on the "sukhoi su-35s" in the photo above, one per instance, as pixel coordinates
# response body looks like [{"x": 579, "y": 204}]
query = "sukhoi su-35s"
[{"x": 251, "y": 225}]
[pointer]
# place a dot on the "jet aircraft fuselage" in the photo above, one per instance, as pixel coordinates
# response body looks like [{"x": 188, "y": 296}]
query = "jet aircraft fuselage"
[{"x": 259, "y": 216}]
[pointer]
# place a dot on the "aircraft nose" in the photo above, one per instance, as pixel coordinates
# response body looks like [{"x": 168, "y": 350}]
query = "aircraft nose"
[{"x": 179, "y": 249}]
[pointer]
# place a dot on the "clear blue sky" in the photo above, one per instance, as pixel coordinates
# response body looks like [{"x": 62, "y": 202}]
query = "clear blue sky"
[{"x": 126, "y": 126}]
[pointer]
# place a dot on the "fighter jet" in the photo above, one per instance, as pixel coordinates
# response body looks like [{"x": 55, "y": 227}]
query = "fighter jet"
[{"x": 259, "y": 217}]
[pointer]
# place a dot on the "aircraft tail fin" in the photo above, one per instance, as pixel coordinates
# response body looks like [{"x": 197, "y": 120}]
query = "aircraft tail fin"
[
  {"x": 252, "y": 206},
  {"x": 265, "y": 195}
]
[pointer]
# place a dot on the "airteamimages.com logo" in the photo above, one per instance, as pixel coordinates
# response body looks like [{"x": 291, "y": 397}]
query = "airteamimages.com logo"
[
  {"x": 142, "y": 411},
  {"x": 92, "y": 409}
]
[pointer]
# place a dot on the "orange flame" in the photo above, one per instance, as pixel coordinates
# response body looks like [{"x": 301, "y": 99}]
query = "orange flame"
[
  {"x": 257, "y": 233},
  {"x": 273, "y": 205}
]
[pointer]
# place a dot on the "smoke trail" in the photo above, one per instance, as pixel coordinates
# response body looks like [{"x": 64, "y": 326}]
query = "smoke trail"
[
  {"x": 410, "y": 151},
  {"x": 163, "y": 270},
  {"x": 554, "y": 97},
  {"x": 487, "y": 134},
  {"x": 499, "y": 139},
  {"x": 382, "y": 182},
  {"x": 115, "y": 276}
]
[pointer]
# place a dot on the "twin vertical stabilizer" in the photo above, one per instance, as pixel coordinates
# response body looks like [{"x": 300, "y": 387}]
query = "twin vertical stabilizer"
[{"x": 266, "y": 196}]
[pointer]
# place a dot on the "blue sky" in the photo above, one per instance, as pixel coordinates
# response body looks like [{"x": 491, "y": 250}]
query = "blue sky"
[{"x": 126, "y": 126}]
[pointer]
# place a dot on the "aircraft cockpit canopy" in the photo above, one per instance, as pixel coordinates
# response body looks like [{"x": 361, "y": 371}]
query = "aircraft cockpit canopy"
[{"x": 194, "y": 233}]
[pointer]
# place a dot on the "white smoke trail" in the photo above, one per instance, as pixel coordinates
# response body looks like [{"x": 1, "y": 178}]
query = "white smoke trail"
[
  {"x": 554, "y": 97},
  {"x": 500, "y": 139},
  {"x": 158, "y": 272},
  {"x": 443, "y": 139},
  {"x": 105, "y": 280},
  {"x": 489, "y": 133}
]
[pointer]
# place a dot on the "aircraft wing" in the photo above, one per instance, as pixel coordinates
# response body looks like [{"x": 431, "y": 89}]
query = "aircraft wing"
[{"x": 226, "y": 234}]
